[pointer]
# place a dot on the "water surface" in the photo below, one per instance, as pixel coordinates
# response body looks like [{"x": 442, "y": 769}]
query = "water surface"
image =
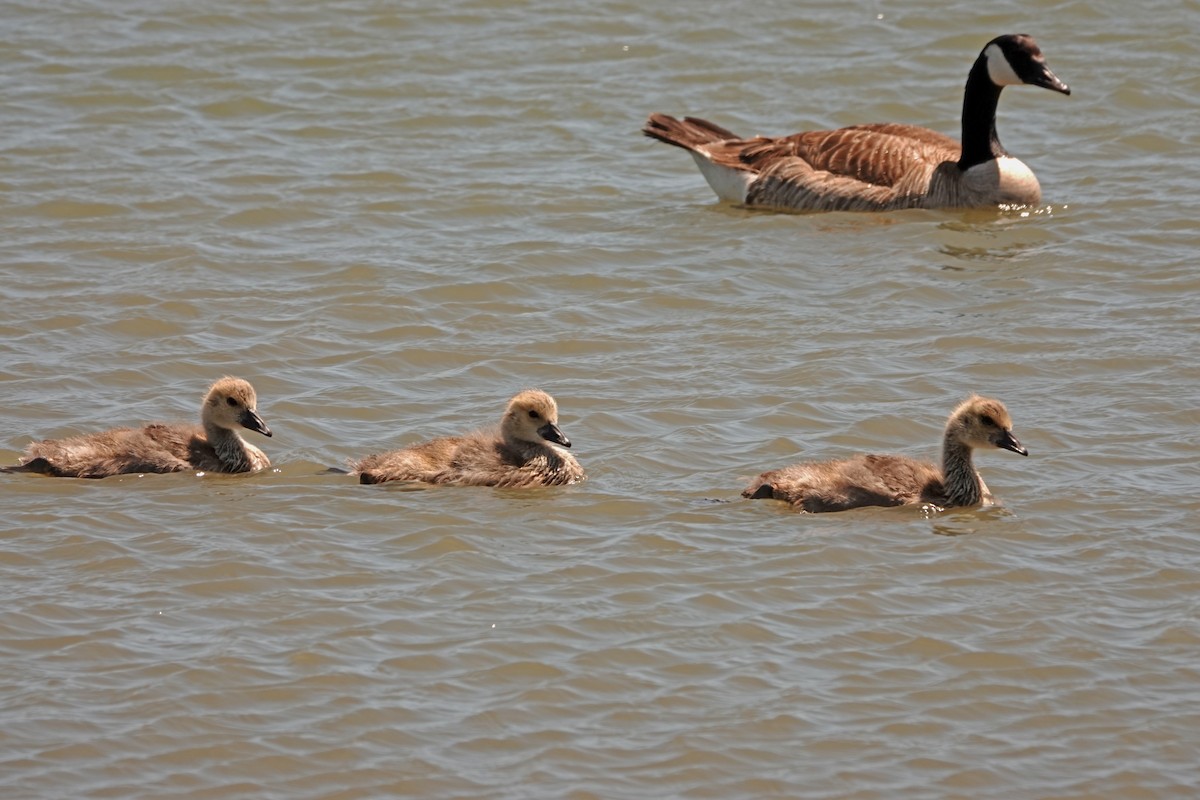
[{"x": 391, "y": 217}]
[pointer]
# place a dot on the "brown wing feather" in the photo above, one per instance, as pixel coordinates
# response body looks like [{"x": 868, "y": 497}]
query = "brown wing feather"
[
  {"x": 881, "y": 155},
  {"x": 513, "y": 465},
  {"x": 418, "y": 462},
  {"x": 792, "y": 183},
  {"x": 915, "y": 133},
  {"x": 860, "y": 168},
  {"x": 153, "y": 448},
  {"x": 867, "y": 480}
]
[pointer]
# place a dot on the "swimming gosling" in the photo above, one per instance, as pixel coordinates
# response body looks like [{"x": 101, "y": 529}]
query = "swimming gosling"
[
  {"x": 883, "y": 166},
  {"x": 212, "y": 446},
  {"x": 892, "y": 480},
  {"x": 526, "y": 449}
]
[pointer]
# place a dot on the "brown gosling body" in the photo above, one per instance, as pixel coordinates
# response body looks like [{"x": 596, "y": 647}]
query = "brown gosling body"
[
  {"x": 525, "y": 449},
  {"x": 893, "y": 480},
  {"x": 878, "y": 167},
  {"x": 212, "y": 446}
]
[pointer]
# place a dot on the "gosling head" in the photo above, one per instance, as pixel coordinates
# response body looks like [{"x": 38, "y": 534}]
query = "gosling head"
[
  {"x": 1015, "y": 59},
  {"x": 983, "y": 422},
  {"x": 232, "y": 404},
  {"x": 532, "y": 416}
]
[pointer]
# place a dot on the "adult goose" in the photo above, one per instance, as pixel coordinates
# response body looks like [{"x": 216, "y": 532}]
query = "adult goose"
[
  {"x": 212, "y": 446},
  {"x": 878, "y": 167},
  {"x": 527, "y": 448},
  {"x": 893, "y": 480}
]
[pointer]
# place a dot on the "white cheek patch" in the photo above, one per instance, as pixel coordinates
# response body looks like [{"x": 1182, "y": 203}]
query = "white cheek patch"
[{"x": 999, "y": 70}]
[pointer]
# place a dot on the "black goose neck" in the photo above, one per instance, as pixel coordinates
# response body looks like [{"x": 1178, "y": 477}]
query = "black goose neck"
[{"x": 980, "y": 143}]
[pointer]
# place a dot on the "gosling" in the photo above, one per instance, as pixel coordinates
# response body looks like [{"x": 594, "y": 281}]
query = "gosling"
[
  {"x": 893, "y": 480},
  {"x": 212, "y": 446},
  {"x": 526, "y": 449}
]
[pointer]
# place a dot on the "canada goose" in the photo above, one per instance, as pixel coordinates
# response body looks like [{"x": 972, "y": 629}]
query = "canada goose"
[
  {"x": 878, "y": 167},
  {"x": 526, "y": 449},
  {"x": 212, "y": 446},
  {"x": 890, "y": 480}
]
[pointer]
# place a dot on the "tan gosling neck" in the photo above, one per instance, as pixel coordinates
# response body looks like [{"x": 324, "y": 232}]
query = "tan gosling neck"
[
  {"x": 959, "y": 478},
  {"x": 231, "y": 448}
]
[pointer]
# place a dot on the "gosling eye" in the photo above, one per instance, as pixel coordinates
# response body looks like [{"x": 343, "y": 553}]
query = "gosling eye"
[
  {"x": 230, "y": 401},
  {"x": 986, "y": 419},
  {"x": 534, "y": 415}
]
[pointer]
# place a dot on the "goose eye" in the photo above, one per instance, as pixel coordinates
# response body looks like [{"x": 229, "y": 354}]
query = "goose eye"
[
  {"x": 534, "y": 415},
  {"x": 230, "y": 401},
  {"x": 986, "y": 419}
]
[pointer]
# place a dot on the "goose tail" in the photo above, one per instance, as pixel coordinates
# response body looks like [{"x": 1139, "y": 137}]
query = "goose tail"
[
  {"x": 37, "y": 465},
  {"x": 690, "y": 133}
]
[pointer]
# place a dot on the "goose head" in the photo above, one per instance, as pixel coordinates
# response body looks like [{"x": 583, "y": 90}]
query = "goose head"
[
  {"x": 231, "y": 404},
  {"x": 532, "y": 416},
  {"x": 1015, "y": 59},
  {"x": 983, "y": 422}
]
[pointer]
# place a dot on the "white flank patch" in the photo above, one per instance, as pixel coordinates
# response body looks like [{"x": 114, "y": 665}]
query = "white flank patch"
[
  {"x": 999, "y": 70},
  {"x": 729, "y": 184}
]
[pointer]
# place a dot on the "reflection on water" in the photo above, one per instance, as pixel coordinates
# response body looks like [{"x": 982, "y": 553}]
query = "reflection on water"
[{"x": 976, "y": 236}]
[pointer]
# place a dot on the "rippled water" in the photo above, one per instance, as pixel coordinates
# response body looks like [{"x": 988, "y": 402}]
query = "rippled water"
[{"x": 389, "y": 217}]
